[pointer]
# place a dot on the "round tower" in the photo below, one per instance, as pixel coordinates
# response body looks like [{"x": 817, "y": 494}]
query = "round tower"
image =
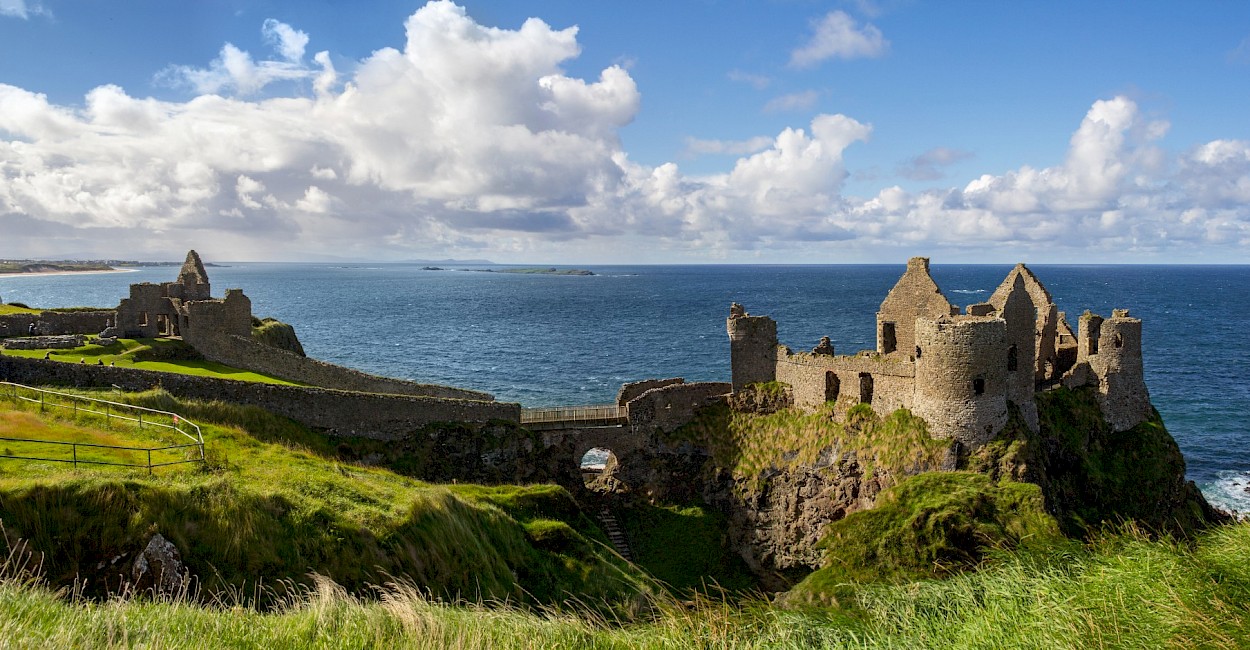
[
  {"x": 752, "y": 347},
  {"x": 961, "y": 377}
]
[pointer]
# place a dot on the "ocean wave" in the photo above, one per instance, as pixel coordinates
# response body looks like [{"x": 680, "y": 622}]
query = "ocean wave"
[
  {"x": 1229, "y": 491},
  {"x": 967, "y": 290}
]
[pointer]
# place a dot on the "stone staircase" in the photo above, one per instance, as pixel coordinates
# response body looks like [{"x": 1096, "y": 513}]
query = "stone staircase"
[{"x": 615, "y": 534}]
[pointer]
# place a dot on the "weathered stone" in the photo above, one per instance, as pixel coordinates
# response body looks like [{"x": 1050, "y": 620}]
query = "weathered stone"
[{"x": 158, "y": 570}]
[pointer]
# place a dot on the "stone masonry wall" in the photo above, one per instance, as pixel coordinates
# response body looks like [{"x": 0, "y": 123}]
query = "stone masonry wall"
[
  {"x": 631, "y": 390},
  {"x": 893, "y": 380},
  {"x": 52, "y": 322},
  {"x": 668, "y": 408},
  {"x": 752, "y": 347},
  {"x": 338, "y": 412},
  {"x": 247, "y": 354},
  {"x": 961, "y": 379}
]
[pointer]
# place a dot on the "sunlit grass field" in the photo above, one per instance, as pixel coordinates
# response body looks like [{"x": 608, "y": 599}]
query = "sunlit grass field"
[{"x": 133, "y": 353}]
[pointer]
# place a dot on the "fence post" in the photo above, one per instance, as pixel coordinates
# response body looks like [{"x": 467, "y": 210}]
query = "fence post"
[
  {"x": 140, "y": 419},
  {"x": 149, "y": 462},
  {"x": 75, "y": 450}
]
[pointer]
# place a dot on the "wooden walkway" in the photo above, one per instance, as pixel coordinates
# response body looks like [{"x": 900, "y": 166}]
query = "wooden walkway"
[{"x": 563, "y": 417}]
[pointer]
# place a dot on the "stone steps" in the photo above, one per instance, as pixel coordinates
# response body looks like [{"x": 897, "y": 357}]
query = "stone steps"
[{"x": 615, "y": 534}]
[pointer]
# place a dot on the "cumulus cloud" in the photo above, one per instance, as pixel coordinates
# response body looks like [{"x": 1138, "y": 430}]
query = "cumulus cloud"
[
  {"x": 792, "y": 102},
  {"x": 235, "y": 70},
  {"x": 838, "y": 36},
  {"x": 473, "y": 138}
]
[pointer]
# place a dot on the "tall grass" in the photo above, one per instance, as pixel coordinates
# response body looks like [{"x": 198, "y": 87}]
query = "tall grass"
[{"x": 1124, "y": 591}]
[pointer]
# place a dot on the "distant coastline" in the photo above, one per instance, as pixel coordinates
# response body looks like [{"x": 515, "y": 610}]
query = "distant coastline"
[{"x": 67, "y": 267}]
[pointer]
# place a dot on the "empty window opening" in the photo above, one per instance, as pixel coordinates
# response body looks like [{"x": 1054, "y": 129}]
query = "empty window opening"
[
  {"x": 1012, "y": 359},
  {"x": 889, "y": 340},
  {"x": 163, "y": 327},
  {"x": 598, "y": 468},
  {"x": 833, "y": 386},
  {"x": 978, "y": 385},
  {"x": 1118, "y": 340},
  {"x": 917, "y": 351},
  {"x": 143, "y": 318},
  {"x": 865, "y": 388}
]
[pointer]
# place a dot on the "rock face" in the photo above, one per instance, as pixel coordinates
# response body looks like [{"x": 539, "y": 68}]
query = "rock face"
[{"x": 159, "y": 570}]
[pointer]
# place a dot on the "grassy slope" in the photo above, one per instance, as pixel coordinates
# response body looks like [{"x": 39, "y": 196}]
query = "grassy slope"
[
  {"x": 149, "y": 354},
  {"x": 1123, "y": 592},
  {"x": 748, "y": 444},
  {"x": 14, "y": 309},
  {"x": 273, "y": 505}
]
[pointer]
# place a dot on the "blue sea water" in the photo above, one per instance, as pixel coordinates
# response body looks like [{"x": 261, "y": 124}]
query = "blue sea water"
[{"x": 549, "y": 340}]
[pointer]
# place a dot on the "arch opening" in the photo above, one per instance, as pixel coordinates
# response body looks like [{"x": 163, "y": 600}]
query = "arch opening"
[{"x": 598, "y": 467}]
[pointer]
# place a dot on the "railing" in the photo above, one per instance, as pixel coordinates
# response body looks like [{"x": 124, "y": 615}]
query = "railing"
[
  {"x": 111, "y": 411},
  {"x": 602, "y": 414}
]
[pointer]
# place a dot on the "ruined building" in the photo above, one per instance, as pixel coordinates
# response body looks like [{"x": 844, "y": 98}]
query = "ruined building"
[
  {"x": 959, "y": 371},
  {"x": 184, "y": 307}
]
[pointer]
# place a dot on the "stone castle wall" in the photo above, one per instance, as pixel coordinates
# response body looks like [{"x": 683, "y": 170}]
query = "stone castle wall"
[
  {"x": 818, "y": 378},
  {"x": 337, "y": 412},
  {"x": 52, "y": 322},
  {"x": 631, "y": 390},
  {"x": 241, "y": 352},
  {"x": 667, "y": 408}
]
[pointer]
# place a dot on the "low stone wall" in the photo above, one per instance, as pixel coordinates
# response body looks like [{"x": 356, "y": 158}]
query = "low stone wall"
[
  {"x": 667, "y": 408},
  {"x": 893, "y": 380},
  {"x": 63, "y": 342},
  {"x": 243, "y": 352},
  {"x": 337, "y": 412},
  {"x": 629, "y": 391},
  {"x": 57, "y": 322}
]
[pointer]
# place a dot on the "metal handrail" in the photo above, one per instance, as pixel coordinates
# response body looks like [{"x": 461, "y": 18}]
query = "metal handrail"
[{"x": 177, "y": 420}]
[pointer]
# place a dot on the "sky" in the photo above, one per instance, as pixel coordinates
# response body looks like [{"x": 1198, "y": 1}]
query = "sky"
[{"x": 573, "y": 132}]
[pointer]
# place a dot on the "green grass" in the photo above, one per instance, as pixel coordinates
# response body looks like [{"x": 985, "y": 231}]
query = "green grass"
[
  {"x": 271, "y": 507},
  {"x": 685, "y": 547},
  {"x": 161, "y": 355},
  {"x": 750, "y": 444},
  {"x": 1123, "y": 591},
  {"x": 14, "y": 309},
  {"x": 931, "y": 525}
]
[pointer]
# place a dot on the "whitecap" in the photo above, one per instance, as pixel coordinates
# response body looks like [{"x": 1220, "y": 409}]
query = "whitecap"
[{"x": 1230, "y": 491}]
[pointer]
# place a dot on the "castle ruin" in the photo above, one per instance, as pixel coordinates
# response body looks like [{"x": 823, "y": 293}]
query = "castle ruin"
[{"x": 958, "y": 371}]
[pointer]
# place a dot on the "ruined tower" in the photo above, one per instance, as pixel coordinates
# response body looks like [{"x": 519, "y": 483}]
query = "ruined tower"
[
  {"x": 192, "y": 281},
  {"x": 961, "y": 377},
  {"x": 752, "y": 347},
  {"x": 1112, "y": 350},
  {"x": 1020, "y": 316}
]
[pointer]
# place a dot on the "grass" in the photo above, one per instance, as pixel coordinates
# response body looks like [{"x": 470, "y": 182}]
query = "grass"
[
  {"x": 750, "y": 445},
  {"x": 271, "y": 507},
  {"x": 161, "y": 355},
  {"x": 16, "y": 309},
  {"x": 1123, "y": 591},
  {"x": 931, "y": 525},
  {"x": 685, "y": 547}
]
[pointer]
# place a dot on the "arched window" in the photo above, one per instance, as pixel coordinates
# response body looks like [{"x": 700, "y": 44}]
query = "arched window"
[
  {"x": 978, "y": 385},
  {"x": 1012, "y": 360}
]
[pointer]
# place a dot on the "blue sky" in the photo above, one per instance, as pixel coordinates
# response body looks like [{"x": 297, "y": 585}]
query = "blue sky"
[{"x": 641, "y": 132}]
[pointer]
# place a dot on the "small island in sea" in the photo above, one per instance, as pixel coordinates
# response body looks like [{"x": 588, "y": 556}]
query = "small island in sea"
[{"x": 550, "y": 270}]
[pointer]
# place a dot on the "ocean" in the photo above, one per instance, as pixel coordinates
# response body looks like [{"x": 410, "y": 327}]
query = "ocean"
[{"x": 545, "y": 340}]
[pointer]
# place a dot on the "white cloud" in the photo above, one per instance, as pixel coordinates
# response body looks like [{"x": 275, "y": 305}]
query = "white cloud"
[
  {"x": 286, "y": 40},
  {"x": 21, "y": 8},
  {"x": 792, "y": 102},
  {"x": 235, "y": 70},
  {"x": 838, "y": 36},
  {"x": 473, "y": 138}
]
